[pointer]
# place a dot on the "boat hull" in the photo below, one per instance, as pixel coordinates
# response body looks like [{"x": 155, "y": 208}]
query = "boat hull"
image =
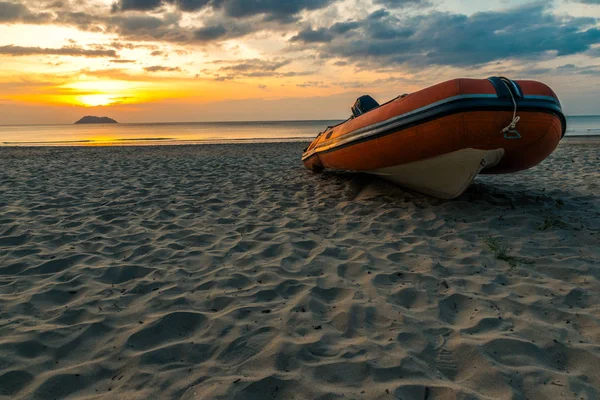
[
  {"x": 438, "y": 123},
  {"x": 446, "y": 176}
]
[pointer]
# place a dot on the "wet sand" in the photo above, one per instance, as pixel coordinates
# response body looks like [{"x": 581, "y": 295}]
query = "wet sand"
[{"x": 231, "y": 272}]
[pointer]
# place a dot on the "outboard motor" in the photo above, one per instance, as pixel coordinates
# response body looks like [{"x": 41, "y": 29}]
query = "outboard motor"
[{"x": 363, "y": 105}]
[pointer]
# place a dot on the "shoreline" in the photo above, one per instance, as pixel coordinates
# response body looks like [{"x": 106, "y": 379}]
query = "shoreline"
[
  {"x": 157, "y": 143},
  {"x": 153, "y": 142}
]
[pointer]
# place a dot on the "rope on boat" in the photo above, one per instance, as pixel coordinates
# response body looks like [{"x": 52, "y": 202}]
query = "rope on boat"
[{"x": 511, "y": 128}]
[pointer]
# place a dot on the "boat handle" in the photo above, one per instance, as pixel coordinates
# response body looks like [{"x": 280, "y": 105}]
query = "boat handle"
[{"x": 512, "y": 134}]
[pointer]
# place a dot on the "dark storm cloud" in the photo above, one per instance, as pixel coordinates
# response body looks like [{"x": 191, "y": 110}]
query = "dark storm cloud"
[
  {"x": 526, "y": 32},
  {"x": 74, "y": 51}
]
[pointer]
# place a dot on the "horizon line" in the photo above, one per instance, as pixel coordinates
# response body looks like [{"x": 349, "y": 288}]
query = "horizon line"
[
  {"x": 216, "y": 122},
  {"x": 179, "y": 122}
]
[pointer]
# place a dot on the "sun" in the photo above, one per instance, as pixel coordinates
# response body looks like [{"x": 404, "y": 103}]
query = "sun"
[
  {"x": 95, "y": 100},
  {"x": 97, "y": 93}
]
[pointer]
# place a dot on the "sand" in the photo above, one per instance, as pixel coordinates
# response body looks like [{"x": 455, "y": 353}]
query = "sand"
[{"x": 231, "y": 272}]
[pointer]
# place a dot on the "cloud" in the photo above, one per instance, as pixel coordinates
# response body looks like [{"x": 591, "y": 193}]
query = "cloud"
[
  {"x": 567, "y": 70},
  {"x": 117, "y": 61},
  {"x": 255, "y": 74},
  {"x": 12, "y": 11},
  {"x": 253, "y": 68},
  {"x": 160, "y": 68},
  {"x": 139, "y": 5},
  {"x": 318, "y": 84},
  {"x": 144, "y": 25},
  {"x": 219, "y": 27},
  {"x": 191, "y": 5},
  {"x": 254, "y": 64},
  {"x": 120, "y": 45},
  {"x": 572, "y": 69},
  {"x": 73, "y": 51},
  {"x": 385, "y": 39},
  {"x": 17, "y": 12},
  {"x": 343, "y": 27},
  {"x": 137, "y": 26},
  {"x": 161, "y": 20},
  {"x": 148, "y": 5},
  {"x": 210, "y": 33},
  {"x": 130, "y": 75},
  {"x": 272, "y": 9},
  {"x": 309, "y": 35},
  {"x": 402, "y": 3}
]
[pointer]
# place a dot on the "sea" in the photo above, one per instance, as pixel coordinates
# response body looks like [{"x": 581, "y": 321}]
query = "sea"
[{"x": 198, "y": 132}]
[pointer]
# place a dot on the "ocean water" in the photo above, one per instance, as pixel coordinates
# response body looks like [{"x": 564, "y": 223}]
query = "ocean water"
[
  {"x": 202, "y": 132},
  {"x": 160, "y": 133},
  {"x": 583, "y": 125}
]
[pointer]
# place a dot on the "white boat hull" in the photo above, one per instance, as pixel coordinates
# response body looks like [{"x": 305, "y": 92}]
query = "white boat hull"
[{"x": 446, "y": 176}]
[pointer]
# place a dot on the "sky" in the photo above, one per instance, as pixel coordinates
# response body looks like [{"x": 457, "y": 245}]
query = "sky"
[{"x": 225, "y": 60}]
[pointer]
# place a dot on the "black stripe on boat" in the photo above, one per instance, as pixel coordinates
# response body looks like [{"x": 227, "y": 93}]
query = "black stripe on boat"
[{"x": 545, "y": 104}]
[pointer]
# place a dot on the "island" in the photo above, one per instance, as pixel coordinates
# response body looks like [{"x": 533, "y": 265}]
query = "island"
[{"x": 96, "y": 120}]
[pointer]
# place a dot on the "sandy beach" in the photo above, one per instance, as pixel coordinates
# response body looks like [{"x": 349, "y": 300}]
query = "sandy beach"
[{"x": 231, "y": 272}]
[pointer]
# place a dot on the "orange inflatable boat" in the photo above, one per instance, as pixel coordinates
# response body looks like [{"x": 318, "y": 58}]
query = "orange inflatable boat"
[{"x": 437, "y": 140}]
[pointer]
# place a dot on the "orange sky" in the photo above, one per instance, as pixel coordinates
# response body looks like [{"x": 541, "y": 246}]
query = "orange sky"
[{"x": 155, "y": 60}]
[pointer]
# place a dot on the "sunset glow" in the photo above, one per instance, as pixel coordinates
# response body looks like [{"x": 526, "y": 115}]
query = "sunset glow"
[
  {"x": 94, "y": 100},
  {"x": 159, "y": 61},
  {"x": 101, "y": 93}
]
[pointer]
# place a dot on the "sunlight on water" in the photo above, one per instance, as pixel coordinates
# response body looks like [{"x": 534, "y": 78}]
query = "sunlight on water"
[{"x": 145, "y": 134}]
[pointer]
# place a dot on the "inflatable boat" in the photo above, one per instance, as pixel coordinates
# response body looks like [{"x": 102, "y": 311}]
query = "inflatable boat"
[{"x": 435, "y": 141}]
